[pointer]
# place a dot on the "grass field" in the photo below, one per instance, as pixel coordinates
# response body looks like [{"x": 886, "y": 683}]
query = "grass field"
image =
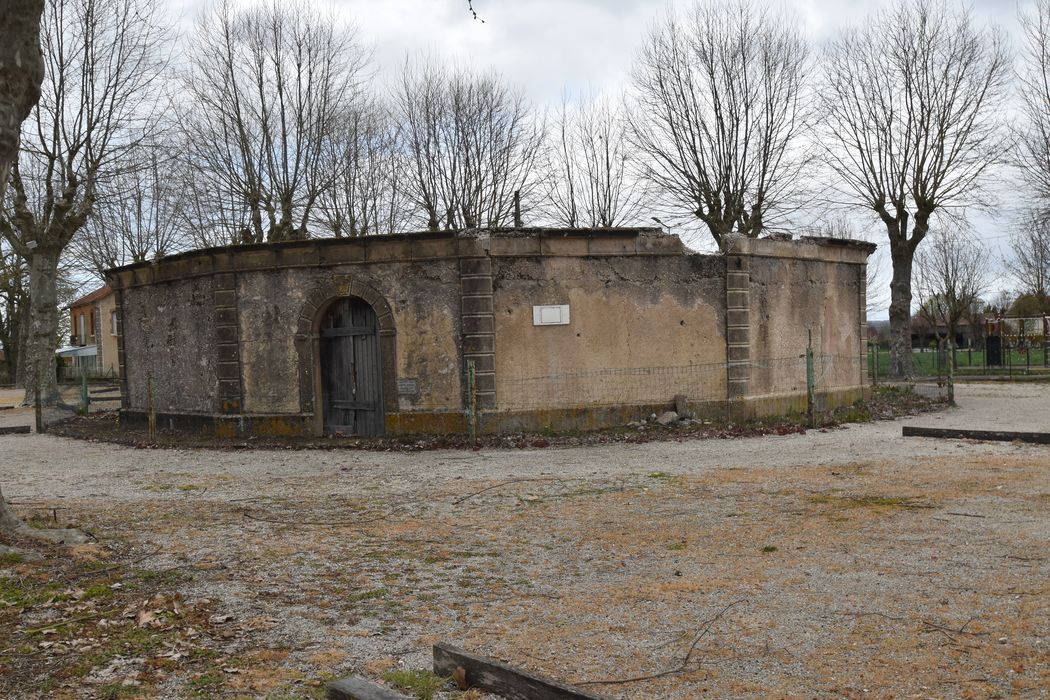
[{"x": 931, "y": 364}]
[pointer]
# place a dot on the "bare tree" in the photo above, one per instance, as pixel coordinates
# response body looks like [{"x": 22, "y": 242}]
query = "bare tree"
[
  {"x": 950, "y": 276},
  {"x": 98, "y": 102},
  {"x": 719, "y": 109},
  {"x": 1030, "y": 264},
  {"x": 367, "y": 195},
  {"x": 136, "y": 217},
  {"x": 912, "y": 104},
  {"x": 472, "y": 143},
  {"x": 14, "y": 303},
  {"x": 842, "y": 226},
  {"x": 264, "y": 93},
  {"x": 1033, "y": 132},
  {"x": 595, "y": 183},
  {"x": 21, "y": 76}
]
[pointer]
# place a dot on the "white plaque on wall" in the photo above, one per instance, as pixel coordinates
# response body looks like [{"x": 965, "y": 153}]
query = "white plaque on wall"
[{"x": 556, "y": 315}]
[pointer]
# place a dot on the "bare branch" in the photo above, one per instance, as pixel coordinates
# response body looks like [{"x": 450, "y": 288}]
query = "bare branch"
[
  {"x": 265, "y": 93},
  {"x": 720, "y": 104},
  {"x": 912, "y": 104},
  {"x": 471, "y": 143}
]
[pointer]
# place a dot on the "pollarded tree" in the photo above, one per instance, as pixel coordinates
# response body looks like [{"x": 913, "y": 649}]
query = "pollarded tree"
[
  {"x": 595, "y": 182},
  {"x": 1030, "y": 265},
  {"x": 263, "y": 97},
  {"x": 21, "y": 75},
  {"x": 951, "y": 273},
  {"x": 137, "y": 216},
  {"x": 913, "y": 121},
  {"x": 471, "y": 144},
  {"x": 99, "y": 101},
  {"x": 1033, "y": 131},
  {"x": 720, "y": 106},
  {"x": 367, "y": 193}
]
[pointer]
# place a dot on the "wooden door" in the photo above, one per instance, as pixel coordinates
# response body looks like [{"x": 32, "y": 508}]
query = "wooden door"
[{"x": 351, "y": 370}]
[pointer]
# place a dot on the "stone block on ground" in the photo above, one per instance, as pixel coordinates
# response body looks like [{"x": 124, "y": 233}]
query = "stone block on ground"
[{"x": 667, "y": 418}]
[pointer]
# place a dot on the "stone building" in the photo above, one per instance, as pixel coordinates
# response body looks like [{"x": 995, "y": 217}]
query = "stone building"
[{"x": 524, "y": 329}]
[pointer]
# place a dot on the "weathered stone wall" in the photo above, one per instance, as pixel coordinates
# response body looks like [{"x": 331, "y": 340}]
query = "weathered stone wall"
[
  {"x": 790, "y": 299},
  {"x": 170, "y": 329},
  {"x": 423, "y": 298},
  {"x": 780, "y": 295}
]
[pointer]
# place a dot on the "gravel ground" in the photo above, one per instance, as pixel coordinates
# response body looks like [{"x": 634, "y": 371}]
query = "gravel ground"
[{"x": 849, "y": 562}]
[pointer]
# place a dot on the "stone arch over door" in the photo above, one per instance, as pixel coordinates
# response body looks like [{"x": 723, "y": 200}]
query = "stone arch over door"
[{"x": 308, "y": 346}]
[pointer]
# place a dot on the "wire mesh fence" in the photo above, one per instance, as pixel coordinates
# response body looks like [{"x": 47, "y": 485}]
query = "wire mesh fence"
[
  {"x": 697, "y": 382},
  {"x": 967, "y": 362}
]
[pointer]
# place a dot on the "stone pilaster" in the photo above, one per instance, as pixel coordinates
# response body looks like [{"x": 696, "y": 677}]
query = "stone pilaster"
[
  {"x": 862, "y": 316},
  {"x": 122, "y": 373},
  {"x": 478, "y": 328},
  {"x": 230, "y": 398},
  {"x": 738, "y": 326}
]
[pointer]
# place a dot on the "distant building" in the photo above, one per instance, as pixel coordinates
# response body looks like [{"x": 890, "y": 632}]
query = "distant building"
[{"x": 92, "y": 348}]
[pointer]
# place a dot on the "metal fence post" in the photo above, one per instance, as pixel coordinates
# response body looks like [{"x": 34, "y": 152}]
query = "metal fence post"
[
  {"x": 84, "y": 398},
  {"x": 38, "y": 408},
  {"x": 151, "y": 416},
  {"x": 951, "y": 371},
  {"x": 809, "y": 380},
  {"x": 472, "y": 390}
]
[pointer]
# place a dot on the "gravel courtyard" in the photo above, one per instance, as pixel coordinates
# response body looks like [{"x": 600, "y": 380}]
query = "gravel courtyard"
[{"x": 842, "y": 563}]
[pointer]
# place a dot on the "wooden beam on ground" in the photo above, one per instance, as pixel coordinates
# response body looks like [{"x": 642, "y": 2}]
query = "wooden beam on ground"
[
  {"x": 960, "y": 433},
  {"x": 497, "y": 677},
  {"x": 16, "y": 430},
  {"x": 355, "y": 688}
]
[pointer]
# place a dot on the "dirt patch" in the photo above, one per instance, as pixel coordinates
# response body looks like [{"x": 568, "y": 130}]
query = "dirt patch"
[{"x": 846, "y": 563}]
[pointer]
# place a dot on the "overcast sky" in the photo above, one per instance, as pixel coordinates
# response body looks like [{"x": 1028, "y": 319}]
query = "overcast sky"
[{"x": 550, "y": 46}]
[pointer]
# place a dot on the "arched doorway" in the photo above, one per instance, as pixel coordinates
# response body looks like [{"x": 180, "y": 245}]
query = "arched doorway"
[{"x": 351, "y": 369}]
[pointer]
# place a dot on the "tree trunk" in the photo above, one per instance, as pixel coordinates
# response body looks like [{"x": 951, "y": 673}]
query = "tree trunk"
[
  {"x": 39, "y": 350},
  {"x": 900, "y": 311},
  {"x": 21, "y": 339},
  {"x": 10, "y": 524}
]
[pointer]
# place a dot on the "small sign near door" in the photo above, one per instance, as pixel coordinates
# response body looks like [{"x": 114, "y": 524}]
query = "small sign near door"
[{"x": 407, "y": 387}]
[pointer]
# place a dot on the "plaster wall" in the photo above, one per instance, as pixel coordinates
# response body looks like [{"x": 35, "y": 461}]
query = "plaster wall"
[
  {"x": 642, "y": 329},
  {"x": 789, "y": 298},
  {"x": 229, "y": 336},
  {"x": 107, "y": 340}
]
